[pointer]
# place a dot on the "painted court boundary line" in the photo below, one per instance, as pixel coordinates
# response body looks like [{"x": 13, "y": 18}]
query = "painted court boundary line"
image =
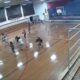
[
  {"x": 74, "y": 35},
  {"x": 74, "y": 44},
  {"x": 75, "y": 53},
  {"x": 67, "y": 69},
  {"x": 74, "y": 70},
  {"x": 61, "y": 20}
]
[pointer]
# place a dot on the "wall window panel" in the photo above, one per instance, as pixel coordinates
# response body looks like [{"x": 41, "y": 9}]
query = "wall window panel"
[
  {"x": 28, "y": 9},
  {"x": 2, "y": 15},
  {"x": 14, "y": 12}
]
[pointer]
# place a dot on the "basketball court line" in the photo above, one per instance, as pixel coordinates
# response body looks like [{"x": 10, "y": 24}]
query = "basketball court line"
[
  {"x": 66, "y": 70},
  {"x": 61, "y": 20},
  {"x": 74, "y": 28},
  {"x": 73, "y": 71},
  {"x": 77, "y": 75},
  {"x": 76, "y": 41},
  {"x": 74, "y": 53},
  {"x": 61, "y": 76},
  {"x": 74, "y": 44},
  {"x": 74, "y": 35}
]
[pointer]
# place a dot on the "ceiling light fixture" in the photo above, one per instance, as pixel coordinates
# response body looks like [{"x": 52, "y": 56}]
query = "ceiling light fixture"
[{"x": 7, "y": 2}]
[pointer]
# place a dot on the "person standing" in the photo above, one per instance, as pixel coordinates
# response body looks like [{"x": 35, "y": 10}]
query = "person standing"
[
  {"x": 5, "y": 39},
  {"x": 31, "y": 19},
  {"x": 39, "y": 42},
  {"x": 21, "y": 43},
  {"x": 12, "y": 47},
  {"x": 24, "y": 33},
  {"x": 29, "y": 27}
]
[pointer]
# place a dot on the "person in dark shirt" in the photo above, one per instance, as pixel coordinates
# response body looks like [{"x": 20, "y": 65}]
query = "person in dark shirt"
[
  {"x": 17, "y": 39},
  {"x": 12, "y": 47},
  {"x": 32, "y": 20},
  {"x": 39, "y": 41}
]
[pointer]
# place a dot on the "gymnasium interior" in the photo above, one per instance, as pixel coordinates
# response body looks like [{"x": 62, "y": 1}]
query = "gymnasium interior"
[{"x": 39, "y": 39}]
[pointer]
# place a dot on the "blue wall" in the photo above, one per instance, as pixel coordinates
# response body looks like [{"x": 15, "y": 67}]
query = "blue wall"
[{"x": 73, "y": 8}]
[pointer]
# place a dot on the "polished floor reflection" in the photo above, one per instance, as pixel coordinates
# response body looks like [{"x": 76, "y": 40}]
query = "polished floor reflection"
[{"x": 46, "y": 63}]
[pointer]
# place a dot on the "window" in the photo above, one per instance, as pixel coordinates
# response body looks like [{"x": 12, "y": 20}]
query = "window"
[
  {"x": 28, "y": 9},
  {"x": 14, "y": 12},
  {"x": 2, "y": 15}
]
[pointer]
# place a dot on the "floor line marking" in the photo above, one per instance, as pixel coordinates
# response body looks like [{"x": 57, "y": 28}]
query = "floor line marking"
[
  {"x": 74, "y": 35},
  {"x": 75, "y": 44},
  {"x": 74, "y": 53},
  {"x": 76, "y": 26},
  {"x": 61, "y": 20},
  {"x": 61, "y": 76}
]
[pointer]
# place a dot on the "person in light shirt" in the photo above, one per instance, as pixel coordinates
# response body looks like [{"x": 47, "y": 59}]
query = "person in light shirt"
[{"x": 21, "y": 43}]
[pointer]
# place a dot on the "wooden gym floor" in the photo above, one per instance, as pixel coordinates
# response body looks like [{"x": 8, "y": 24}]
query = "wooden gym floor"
[
  {"x": 77, "y": 75},
  {"x": 50, "y": 62}
]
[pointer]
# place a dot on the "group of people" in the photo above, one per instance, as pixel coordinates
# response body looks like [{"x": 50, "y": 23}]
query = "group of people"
[{"x": 19, "y": 42}]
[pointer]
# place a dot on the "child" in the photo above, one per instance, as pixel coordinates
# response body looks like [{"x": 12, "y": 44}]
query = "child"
[
  {"x": 24, "y": 33},
  {"x": 12, "y": 47},
  {"x": 21, "y": 43},
  {"x": 39, "y": 41},
  {"x": 5, "y": 39}
]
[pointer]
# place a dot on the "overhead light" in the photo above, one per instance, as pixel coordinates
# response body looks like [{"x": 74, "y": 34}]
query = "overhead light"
[
  {"x": 20, "y": 64},
  {"x": 1, "y": 76},
  {"x": 1, "y": 62},
  {"x": 7, "y": 2},
  {"x": 53, "y": 57},
  {"x": 36, "y": 54}
]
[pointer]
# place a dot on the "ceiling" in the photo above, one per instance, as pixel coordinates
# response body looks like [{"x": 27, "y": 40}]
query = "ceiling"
[{"x": 6, "y": 3}]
